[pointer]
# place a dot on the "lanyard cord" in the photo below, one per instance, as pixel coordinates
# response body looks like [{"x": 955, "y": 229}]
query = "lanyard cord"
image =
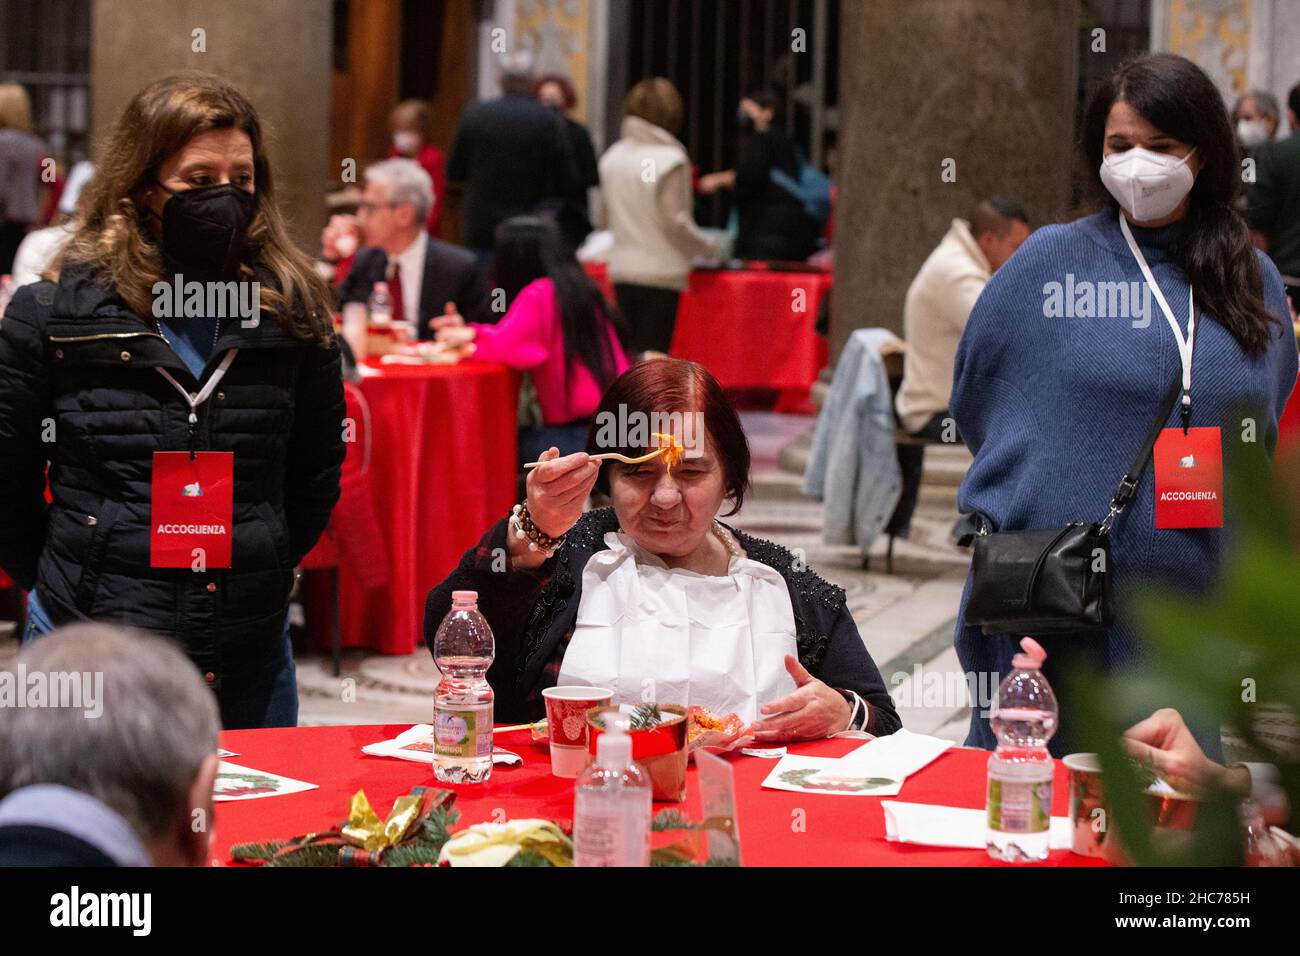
[
  {"x": 1185, "y": 346},
  {"x": 195, "y": 399}
]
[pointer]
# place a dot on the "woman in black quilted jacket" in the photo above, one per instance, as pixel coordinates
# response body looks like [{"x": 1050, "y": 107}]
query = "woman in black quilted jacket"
[{"x": 179, "y": 377}]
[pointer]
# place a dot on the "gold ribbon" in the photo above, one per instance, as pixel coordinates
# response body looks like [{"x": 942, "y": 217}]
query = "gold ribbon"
[{"x": 364, "y": 828}]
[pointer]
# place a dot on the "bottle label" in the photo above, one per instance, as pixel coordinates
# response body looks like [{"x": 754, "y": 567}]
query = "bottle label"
[
  {"x": 611, "y": 833},
  {"x": 462, "y": 733},
  {"x": 1019, "y": 807}
]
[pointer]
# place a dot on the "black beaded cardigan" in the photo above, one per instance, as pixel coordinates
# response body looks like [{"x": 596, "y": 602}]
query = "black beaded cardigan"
[{"x": 532, "y": 611}]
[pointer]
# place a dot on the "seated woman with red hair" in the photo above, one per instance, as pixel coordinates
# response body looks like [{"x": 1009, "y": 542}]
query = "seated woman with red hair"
[{"x": 653, "y": 597}]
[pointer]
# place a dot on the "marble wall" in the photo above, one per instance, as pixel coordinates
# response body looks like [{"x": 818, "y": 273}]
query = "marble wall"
[
  {"x": 1242, "y": 44},
  {"x": 278, "y": 54},
  {"x": 942, "y": 102}
]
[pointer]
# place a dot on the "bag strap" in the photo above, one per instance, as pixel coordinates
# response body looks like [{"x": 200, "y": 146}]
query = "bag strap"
[{"x": 1128, "y": 485}]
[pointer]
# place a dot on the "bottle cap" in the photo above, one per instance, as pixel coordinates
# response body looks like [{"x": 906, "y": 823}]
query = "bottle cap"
[
  {"x": 614, "y": 746},
  {"x": 1032, "y": 657},
  {"x": 464, "y": 597}
]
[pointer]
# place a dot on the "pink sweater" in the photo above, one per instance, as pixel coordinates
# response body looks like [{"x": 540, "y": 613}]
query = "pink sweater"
[{"x": 531, "y": 337}]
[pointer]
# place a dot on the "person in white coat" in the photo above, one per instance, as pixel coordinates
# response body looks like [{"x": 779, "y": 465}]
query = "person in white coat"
[
  {"x": 645, "y": 181},
  {"x": 938, "y": 303}
]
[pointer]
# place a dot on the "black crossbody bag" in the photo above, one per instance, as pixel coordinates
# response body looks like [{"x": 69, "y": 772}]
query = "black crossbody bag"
[{"x": 1058, "y": 580}]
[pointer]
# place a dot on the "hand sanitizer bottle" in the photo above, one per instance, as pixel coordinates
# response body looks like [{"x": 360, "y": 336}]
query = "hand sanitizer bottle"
[{"x": 611, "y": 806}]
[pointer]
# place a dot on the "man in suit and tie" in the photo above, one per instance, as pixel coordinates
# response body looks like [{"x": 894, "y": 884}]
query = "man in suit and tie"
[{"x": 424, "y": 275}]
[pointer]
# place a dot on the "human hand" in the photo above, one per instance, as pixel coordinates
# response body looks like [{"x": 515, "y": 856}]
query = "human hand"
[
  {"x": 456, "y": 335},
  {"x": 1163, "y": 743},
  {"x": 450, "y": 318},
  {"x": 710, "y": 183},
  {"x": 755, "y": 112},
  {"x": 813, "y": 711},
  {"x": 558, "y": 488}
]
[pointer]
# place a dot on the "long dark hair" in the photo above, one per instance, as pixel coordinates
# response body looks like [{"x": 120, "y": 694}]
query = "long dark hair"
[
  {"x": 529, "y": 248},
  {"x": 159, "y": 120},
  {"x": 1213, "y": 248}
]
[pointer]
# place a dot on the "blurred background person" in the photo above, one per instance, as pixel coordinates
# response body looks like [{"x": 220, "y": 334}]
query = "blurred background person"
[
  {"x": 655, "y": 235},
  {"x": 939, "y": 302},
  {"x": 1273, "y": 202},
  {"x": 423, "y": 274},
  {"x": 132, "y": 787},
  {"x": 772, "y": 222},
  {"x": 41, "y": 247},
  {"x": 184, "y": 187},
  {"x": 21, "y": 191},
  {"x": 512, "y": 154},
  {"x": 339, "y": 242},
  {"x": 411, "y": 123},
  {"x": 558, "y": 327},
  {"x": 555, "y": 92},
  {"x": 1255, "y": 119}
]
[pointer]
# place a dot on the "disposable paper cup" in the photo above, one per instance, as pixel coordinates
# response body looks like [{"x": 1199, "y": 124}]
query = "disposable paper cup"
[
  {"x": 1089, "y": 814},
  {"x": 566, "y": 718}
]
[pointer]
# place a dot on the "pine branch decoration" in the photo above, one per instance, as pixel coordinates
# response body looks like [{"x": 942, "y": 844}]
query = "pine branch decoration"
[{"x": 251, "y": 852}]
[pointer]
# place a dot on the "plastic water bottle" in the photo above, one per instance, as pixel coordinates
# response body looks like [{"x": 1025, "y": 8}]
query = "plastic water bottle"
[
  {"x": 611, "y": 805},
  {"x": 1020, "y": 770},
  {"x": 462, "y": 705},
  {"x": 381, "y": 306}
]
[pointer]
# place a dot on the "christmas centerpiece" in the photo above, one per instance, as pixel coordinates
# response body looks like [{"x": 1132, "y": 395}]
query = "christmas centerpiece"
[{"x": 419, "y": 832}]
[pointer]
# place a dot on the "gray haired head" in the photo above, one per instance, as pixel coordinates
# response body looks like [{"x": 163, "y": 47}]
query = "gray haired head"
[
  {"x": 1266, "y": 105},
  {"x": 406, "y": 182},
  {"x": 516, "y": 72},
  {"x": 141, "y": 755}
]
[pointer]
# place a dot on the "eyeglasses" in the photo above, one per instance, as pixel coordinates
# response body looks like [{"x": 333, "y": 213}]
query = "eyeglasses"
[{"x": 369, "y": 207}]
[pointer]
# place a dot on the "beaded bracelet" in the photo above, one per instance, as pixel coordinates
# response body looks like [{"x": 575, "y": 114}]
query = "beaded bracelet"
[{"x": 538, "y": 540}]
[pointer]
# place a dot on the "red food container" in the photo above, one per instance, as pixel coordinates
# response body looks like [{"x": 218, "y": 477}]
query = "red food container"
[{"x": 660, "y": 750}]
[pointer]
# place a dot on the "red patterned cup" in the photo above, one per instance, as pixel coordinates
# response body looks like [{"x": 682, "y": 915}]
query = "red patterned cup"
[{"x": 566, "y": 718}]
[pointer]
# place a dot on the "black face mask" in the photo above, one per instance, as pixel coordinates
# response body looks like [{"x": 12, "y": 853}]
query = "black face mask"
[{"x": 204, "y": 230}]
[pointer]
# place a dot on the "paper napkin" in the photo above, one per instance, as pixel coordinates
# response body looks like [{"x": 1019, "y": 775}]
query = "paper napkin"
[{"x": 928, "y": 825}]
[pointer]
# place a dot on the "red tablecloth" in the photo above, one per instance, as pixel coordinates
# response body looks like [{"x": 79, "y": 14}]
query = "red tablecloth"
[
  {"x": 831, "y": 830},
  {"x": 1288, "y": 427},
  {"x": 442, "y": 470},
  {"x": 750, "y": 329}
]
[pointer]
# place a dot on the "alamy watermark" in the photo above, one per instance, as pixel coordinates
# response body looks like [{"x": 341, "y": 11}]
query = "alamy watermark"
[
  {"x": 1086, "y": 299},
  {"x": 208, "y": 300},
  {"x": 945, "y": 690},
  {"x": 76, "y": 690},
  {"x": 624, "y": 428}
]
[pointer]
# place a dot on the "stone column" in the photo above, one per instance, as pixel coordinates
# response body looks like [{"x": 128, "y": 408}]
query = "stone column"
[
  {"x": 277, "y": 54},
  {"x": 980, "y": 90}
]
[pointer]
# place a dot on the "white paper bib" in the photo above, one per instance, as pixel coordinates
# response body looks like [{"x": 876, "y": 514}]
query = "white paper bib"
[{"x": 653, "y": 633}]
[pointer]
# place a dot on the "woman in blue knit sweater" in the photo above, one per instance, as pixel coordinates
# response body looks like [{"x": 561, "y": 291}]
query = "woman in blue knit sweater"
[{"x": 1069, "y": 352}]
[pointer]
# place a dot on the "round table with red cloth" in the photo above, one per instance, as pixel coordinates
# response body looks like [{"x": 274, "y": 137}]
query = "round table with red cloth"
[
  {"x": 442, "y": 471},
  {"x": 831, "y": 830},
  {"x": 1288, "y": 427},
  {"x": 753, "y": 329}
]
